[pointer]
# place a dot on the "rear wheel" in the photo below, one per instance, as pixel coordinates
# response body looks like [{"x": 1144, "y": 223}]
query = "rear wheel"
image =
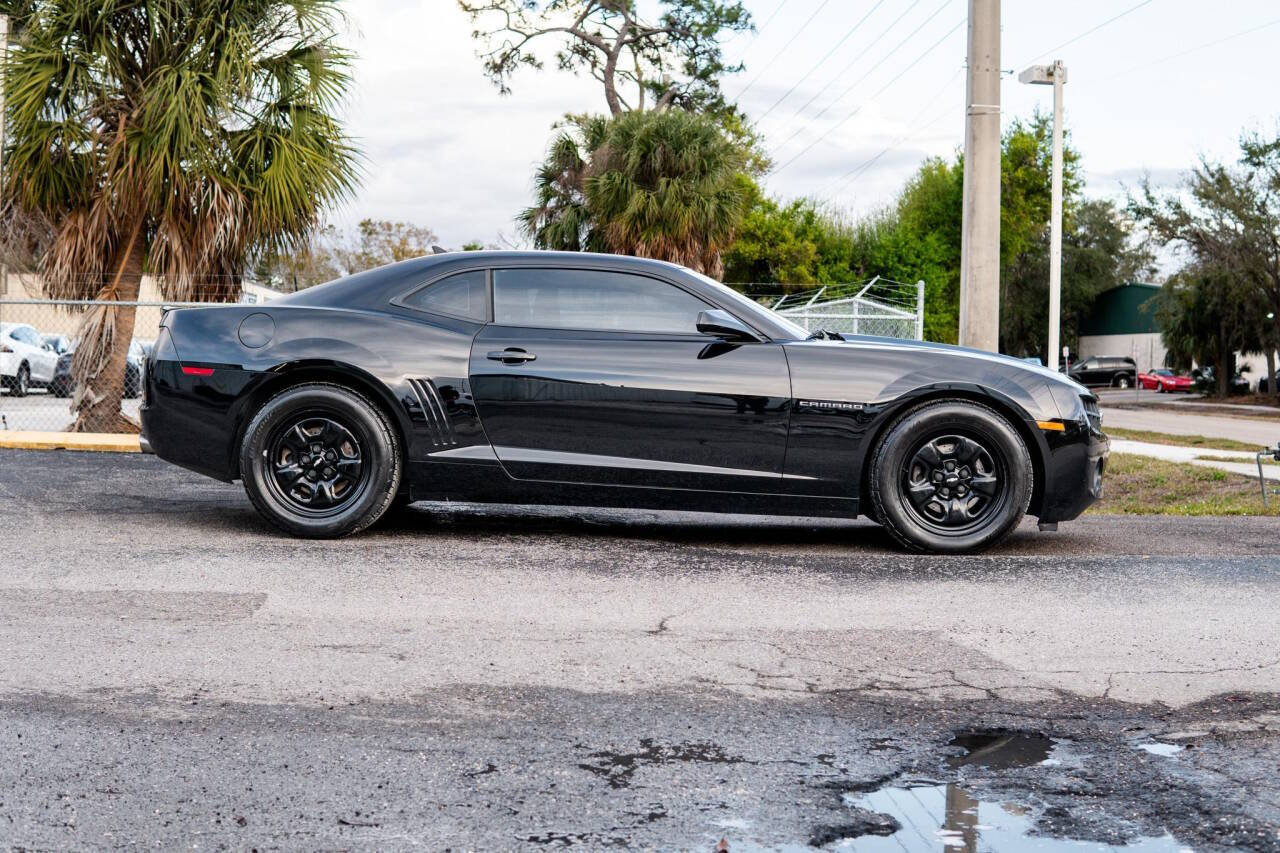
[
  {"x": 321, "y": 461},
  {"x": 1121, "y": 382},
  {"x": 951, "y": 477}
]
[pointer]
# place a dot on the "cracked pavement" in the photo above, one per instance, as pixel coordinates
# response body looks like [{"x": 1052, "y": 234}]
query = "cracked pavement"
[{"x": 593, "y": 677}]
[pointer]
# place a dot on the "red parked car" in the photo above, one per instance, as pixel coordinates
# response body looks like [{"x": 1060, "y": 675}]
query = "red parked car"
[{"x": 1164, "y": 379}]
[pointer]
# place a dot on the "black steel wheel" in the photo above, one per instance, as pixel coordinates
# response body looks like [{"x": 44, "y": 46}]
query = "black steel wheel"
[
  {"x": 317, "y": 465},
  {"x": 320, "y": 460},
  {"x": 949, "y": 477}
]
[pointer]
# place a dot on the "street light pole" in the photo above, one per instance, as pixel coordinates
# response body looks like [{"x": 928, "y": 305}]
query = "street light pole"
[{"x": 1055, "y": 75}]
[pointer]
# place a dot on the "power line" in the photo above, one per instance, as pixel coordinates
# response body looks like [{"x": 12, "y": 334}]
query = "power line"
[
  {"x": 828, "y": 55},
  {"x": 1087, "y": 32},
  {"x": 768, "y": 64},
  {"x": 800, "y": 127},
  {"x": 1195, "y": 49},
  {"x": 856, "y": 59},
  {"x": 857, "y": 171},
  {"x": 881, "y": 91},
  {"x": 838, "y": 98}
]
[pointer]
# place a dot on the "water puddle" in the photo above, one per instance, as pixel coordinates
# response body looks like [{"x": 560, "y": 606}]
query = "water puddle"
[
  {"x": 948, "y": 818},
  {"x": 1165, "y": 750}
]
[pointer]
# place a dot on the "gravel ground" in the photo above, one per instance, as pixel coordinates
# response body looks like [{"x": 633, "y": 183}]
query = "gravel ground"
[{"x": 176, "y": 673}]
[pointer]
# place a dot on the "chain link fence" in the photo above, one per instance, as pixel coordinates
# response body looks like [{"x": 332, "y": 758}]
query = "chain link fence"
[
  {"x": 38, "y": 338},
  {"x": 881, "y": 306}
]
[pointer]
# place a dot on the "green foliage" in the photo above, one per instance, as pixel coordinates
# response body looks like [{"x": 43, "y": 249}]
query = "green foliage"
[
  {"x": 788, "y": 247},
  {"x": 1204, "y": 317},
  {"x": 661, "y": 184}
]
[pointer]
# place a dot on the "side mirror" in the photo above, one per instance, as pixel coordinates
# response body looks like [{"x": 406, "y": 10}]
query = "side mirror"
[{"x": 722, "y": 324}]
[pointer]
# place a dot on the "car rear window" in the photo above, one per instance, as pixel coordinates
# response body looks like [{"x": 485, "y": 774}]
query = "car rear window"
[{"x": 462, "y": 295}]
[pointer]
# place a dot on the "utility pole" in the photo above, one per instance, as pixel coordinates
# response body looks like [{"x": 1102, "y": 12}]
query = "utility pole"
[
  {"x": 1054, "y": 75},
  {"x": 980, "y": 229},
  {"x": 4, "y": 53}
]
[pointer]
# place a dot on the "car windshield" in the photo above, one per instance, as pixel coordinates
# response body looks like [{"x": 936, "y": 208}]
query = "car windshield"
[{"x": 752, "y": 308}]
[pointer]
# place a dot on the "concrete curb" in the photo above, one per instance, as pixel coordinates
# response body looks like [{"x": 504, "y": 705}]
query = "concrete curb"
[{"x": 97, "y": 441}]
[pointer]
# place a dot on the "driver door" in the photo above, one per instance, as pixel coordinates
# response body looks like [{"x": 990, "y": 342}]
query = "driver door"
[{"x": 601, "y": 377}]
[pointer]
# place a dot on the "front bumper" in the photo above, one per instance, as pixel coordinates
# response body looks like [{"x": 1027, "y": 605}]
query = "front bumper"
[{"x": 1074, "y": 467}]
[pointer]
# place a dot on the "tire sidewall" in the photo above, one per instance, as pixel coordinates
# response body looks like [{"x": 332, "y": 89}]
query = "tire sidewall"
[
  {"x": 933, "y": 420},
  {"x": 379, "y": 448},
  {"x": 22, "y": 381}
]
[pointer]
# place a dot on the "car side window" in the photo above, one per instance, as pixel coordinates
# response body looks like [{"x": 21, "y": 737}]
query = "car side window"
[
  {"x": 27, "y": 336},
  {"x": 591, "y": 299},
  {"x": 462, "y": 295}
]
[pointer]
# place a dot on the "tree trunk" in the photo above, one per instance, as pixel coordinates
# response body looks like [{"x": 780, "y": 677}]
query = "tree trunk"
[
  {"x": 101, "y": 358},
  {"x": 1271, "y": 373}
]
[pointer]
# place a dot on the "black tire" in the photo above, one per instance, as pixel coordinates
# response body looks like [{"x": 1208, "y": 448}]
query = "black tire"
[
  {"x": 59, "y": 388},
  {"x": 339, "y": 489},
  {"x": 21, "y": 382},
  {"x": 971, "y": 444},
  {"x": 1122, "y": 382}
]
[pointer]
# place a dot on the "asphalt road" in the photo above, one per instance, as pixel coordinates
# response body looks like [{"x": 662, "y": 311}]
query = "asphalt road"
[
  {"x": 173, "y": 671},
  {"x": 1264, "y": 431}
]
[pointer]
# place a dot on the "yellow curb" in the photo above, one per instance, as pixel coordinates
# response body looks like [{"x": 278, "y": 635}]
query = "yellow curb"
[{"x": 36, "y": 440}]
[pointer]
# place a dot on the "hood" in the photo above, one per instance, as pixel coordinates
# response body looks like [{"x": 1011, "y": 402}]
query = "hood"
[{"x": 1053, "y": 377}]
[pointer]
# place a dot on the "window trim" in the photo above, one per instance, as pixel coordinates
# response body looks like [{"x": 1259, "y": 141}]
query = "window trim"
[
  {"x": 493, "y": 302},
  {"x": 588, "y": 266},
  {"x": 401, "y": 300}
]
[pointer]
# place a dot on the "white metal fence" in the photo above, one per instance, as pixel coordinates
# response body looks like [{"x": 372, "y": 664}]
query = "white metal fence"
[{"x": 880, "y": 306}]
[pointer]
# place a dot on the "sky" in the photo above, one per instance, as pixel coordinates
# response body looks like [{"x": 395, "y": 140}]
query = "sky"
[{"x": 1149, "y": 92}]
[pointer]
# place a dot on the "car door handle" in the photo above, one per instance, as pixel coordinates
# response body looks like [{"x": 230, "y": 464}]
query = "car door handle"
[{"x": 511, "y": 356}]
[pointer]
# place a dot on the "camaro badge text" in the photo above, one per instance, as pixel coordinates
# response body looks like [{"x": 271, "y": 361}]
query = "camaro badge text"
[{"x": 829, "y": 405}]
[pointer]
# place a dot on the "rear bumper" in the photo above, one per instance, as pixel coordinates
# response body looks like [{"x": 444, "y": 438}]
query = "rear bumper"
[
  {"x": 1074, "y": 468},
  {"x": 190, "y": 421}
]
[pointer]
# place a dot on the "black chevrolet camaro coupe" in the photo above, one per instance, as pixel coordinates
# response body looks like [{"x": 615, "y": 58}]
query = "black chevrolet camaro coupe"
[{"x": 597, "y": 380}]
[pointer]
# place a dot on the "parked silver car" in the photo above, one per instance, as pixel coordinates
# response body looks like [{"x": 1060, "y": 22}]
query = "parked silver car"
[{"x": 26, "y": 361}]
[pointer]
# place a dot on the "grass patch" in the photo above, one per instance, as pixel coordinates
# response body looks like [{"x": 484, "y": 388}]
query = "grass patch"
[
  {"x": 1140, "y": 485},
  {"x": 1180, "y": 440},
  {"x": 1254, "y": 461}
]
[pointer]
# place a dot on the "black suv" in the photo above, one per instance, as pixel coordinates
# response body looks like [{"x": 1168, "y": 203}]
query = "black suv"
[{"x": 1112, "y": 370}]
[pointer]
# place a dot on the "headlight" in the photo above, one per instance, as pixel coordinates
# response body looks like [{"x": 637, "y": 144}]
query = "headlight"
[{"x": 1067, "y": 399}]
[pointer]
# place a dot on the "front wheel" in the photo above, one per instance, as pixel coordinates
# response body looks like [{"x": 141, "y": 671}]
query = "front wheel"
[
  {"x": 951, "y": 477},
  {"x": 320, "y": 461},
  {"x": 21, "y": 383}
]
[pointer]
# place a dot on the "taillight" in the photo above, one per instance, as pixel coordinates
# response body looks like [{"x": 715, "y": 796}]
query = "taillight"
[{"x": 197, "y": 371}]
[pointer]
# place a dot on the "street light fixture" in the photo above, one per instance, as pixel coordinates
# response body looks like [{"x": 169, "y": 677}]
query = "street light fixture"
[{"x": 1054, "y": 75}]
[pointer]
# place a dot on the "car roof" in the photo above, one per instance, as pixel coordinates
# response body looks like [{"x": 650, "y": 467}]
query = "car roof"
[{"x": 373, "y": 288}]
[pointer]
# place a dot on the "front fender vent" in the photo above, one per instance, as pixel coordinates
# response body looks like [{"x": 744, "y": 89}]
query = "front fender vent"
[{"x": 432, "y": 413}]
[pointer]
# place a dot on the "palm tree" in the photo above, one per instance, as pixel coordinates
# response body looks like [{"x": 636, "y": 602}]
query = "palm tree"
[
  {"x": 665, "y": 184},
  {"x": 668, "y": 184},
  {"x": 559, "y": 219},
  {"x": 170, "y": 137}
]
